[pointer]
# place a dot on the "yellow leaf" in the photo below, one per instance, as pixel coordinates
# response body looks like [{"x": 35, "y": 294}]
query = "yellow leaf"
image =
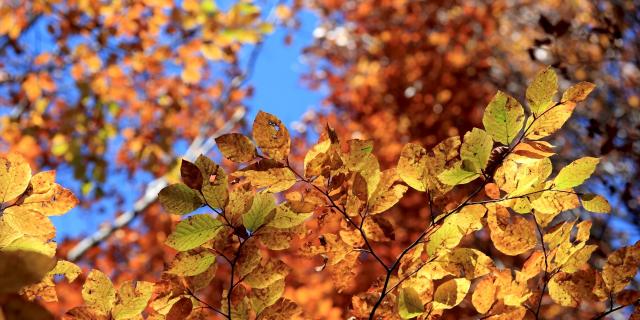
[
  {"x": 578, "y": 92},
  {"x": 387, "y": 193},
  {"x": 264, "y": 276},
  {"x": 271, "y": 136},
  {"x": 457, "y": 175},
  {"x": 378, "y": 228},
  {"x": 191, "y": 263},
  {"x": 475, "y": 150},
  {"x": 510, "y": 234},
  {"x": 98, "y": 292},
  {"x": 420, "y": 169},
  {"x": 450, "y": 293},
  {"x": 575, "y": 173},
  {"x": 132, "y": 299},
  {"x": 283, "y": 309},
  {"x": 248, "y": 258},
  {"x": 260, "y": 213},
  {"x": 570, "y": 290},
  {"x": 484, "y": 295},
  {"x": 541, "y": 91},
  {"x": 528, "y": 151},
  {"x": 595, "y": 203},
  {"x": 409, "y": 303},
  {"x": 455, "y": 227},
  {"x": 15, "y": 174},
  {"x": 236, "y": 147},
  {"x": 622, "y": 265},
  {"x": 503, "y": 118},
  {"x": 19, "y": 268},
  {"x": 549, "y": 122},
  {"x": 179, "y": 199},
  {"x": 262, "y": 298},
  {"x": 286, "y": 218},
  {"x": 269, "y": 175},
  {"x": 68, "y": 269}
]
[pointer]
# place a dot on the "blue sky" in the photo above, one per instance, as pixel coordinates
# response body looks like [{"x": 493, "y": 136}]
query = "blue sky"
[{"x": 278, "y": 90}]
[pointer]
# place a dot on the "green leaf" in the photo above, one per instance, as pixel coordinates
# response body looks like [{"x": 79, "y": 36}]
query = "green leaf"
[
  {"x": 193, "y": 232},
  {"x": 98, "y": 292},
  {"x": 179, "y": 199},
  {"x": 286, "y": 218},
  {"x": 575, "y": 173},
  {"x": 595, "y": 203},
  {"x": 457, "y": 175},
  {"x": 475, "y": 150},
  {"x": 409, "y": 303},
  {"x": 236, "y": 147},
  {"x": 190, "y": 263},
  {"x": 503, "y": 118},
  {"x": 541, "y": 91},
  {"x": 261, "y": 208}
]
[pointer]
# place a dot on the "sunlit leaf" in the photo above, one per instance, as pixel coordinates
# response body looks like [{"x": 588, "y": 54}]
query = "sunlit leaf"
[
  {"x": 179, "y": 199},
  {"x": 575, "y": 173},
  {"x": 595, "y": 203},
  {"x": 503, "y": 118},
  {"x": 98, "y": 292},
  {"x": 409, "y": 303},
  {"x": 236, "y": 147},
  {"x": 450, "y": 293},
  {"x": 261, "y": 211},
  {"x": 541, "y": 91},
  {"x": 271, "y": 136},
  {"x": 193, "y": 232},
  {"x": 191, "y": 263}
]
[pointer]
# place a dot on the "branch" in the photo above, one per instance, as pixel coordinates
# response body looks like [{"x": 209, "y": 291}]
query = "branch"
[{"x": 612, "y": 310}]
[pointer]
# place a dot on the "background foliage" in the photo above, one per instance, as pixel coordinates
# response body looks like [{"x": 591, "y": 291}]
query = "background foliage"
[{"x": 113, "y": 93}]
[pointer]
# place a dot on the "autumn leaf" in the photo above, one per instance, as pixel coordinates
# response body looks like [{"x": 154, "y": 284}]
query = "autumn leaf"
[
  {"x": 265, "y": 275},
  {"x": 236, "y": 147},
  {"x": 578, "y": 92},
  {"x": 271, "y": 136},
  {"x": 191, "y": 175},
  {"x": 191, "y": 263},
  {"x": 260, "y": 212},
  {"x": 193, "y": 232},
  {"x": 450, "y": 293},
  {"x": 409, "y": 303},
  {"x": 595, "y": 203},
  {"x": 541, "y": 91},
  {"x": 179, "y": 199},
  {"x": 484, "y": 295},
  {"x": 575, "y": 173},
  {"x": 132, "y": 299},
  {"x": 15, "y": 175},
  {"x": 503, "y": 118},
  {"x": 510, "y": 234},
  {"x": 622, "y": 265},
  {"x": 19, "y": 268},
  {"x": 98, "y": 292}
]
